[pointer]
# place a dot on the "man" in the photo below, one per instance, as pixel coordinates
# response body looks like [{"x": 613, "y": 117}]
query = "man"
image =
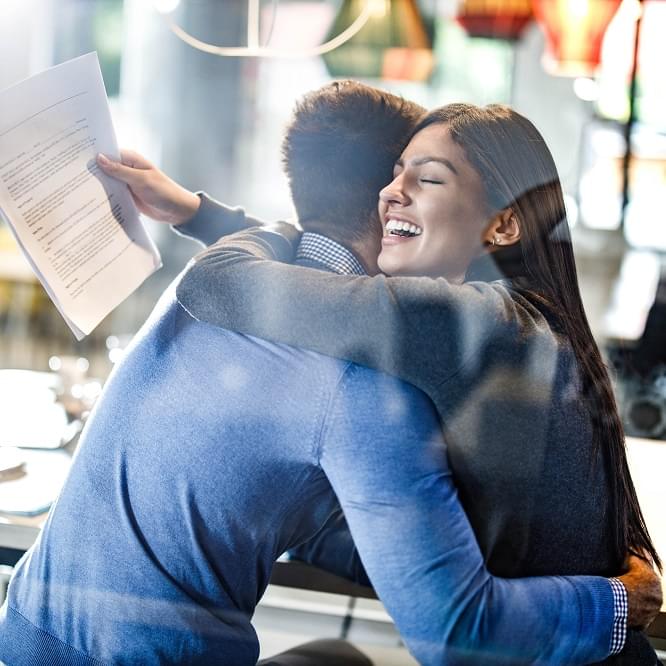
[{"x": 211, "y": 453}]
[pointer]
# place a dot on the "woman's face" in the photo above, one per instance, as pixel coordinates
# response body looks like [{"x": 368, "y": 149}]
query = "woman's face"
[{"x": 434, "y": 213}]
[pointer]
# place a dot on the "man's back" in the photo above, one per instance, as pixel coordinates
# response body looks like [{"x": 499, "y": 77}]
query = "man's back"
[
  {"x": 211, "y": 453},
  {"x": 196, "y": 471}
]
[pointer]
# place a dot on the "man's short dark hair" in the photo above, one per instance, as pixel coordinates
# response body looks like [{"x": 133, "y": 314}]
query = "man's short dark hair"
[{"x": 338, "y": 153}]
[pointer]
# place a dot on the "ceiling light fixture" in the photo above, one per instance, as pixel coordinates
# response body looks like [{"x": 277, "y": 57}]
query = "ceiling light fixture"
[{"x": 254, "y": 49}]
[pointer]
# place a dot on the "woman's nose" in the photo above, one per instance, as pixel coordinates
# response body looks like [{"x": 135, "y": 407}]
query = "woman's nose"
[{"x": 394, "y": 192}]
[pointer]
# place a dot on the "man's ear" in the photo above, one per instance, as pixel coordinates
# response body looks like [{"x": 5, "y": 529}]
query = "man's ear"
[{"x": 503, "y": 229}]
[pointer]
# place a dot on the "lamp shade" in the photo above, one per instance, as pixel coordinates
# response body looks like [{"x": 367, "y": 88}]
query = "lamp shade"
[
  {"x": 393, "y": 44},
  {"x": 574, "y": 32},
  {"x": 495, "y": 19}
]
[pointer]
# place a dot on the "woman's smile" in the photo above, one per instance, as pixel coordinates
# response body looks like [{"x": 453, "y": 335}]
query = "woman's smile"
[{"x": 398, "y": 229}]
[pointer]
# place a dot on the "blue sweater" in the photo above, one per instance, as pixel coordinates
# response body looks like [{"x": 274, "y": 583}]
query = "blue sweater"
[{"x": 208, "y": 455}]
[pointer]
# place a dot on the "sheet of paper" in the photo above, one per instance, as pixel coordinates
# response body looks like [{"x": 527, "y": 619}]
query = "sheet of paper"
[{"x": 79, "y": 229}]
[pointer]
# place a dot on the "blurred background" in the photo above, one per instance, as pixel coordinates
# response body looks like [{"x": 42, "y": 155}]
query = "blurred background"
[{"x": 589, "y": 73}]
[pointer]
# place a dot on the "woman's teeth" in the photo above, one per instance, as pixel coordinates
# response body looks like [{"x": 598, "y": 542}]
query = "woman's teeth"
[{"x": 399, "y": 228}]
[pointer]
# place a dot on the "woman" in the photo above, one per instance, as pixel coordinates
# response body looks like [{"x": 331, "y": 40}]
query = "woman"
[{"x": 495, "y": 334}]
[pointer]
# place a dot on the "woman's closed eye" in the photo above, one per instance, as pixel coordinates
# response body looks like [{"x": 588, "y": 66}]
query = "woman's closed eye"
[{"x": 433, "y": 181}]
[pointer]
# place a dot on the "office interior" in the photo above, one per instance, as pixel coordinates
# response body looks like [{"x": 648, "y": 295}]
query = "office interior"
[{"x": 213, "y": 122}]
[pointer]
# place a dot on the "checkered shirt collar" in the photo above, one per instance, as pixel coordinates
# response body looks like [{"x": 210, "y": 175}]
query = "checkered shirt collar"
[{"x": 328, "y": 254}]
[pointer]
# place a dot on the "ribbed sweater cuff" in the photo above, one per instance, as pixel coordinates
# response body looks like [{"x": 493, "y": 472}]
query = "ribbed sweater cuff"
[
  {"x": 205, "y": 225},
  {"x": 597, "y": 612}
]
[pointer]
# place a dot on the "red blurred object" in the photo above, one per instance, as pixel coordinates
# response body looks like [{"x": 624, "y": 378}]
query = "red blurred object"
[
  {"x": 495, "y": 19},
  {"x": 574, "y": 32}
]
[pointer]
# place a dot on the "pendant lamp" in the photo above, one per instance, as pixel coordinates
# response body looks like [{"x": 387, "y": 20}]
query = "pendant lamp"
[
  {"x": 495, "y": 19},
  {"x": 574, "y": 31},
  {"x": 394, "y": 44}
]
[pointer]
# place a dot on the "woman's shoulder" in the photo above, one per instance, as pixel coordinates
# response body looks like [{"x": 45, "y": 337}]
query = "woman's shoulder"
[{"x": 529, "y": 309}]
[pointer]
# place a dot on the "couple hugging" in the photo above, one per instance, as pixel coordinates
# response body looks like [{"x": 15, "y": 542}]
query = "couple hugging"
[{"x": 406, "y": 393}]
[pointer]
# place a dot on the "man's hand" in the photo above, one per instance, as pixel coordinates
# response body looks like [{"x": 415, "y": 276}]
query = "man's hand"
[
  {"x": 643, "y": 591},
  {"x": 154, "y": 193}
]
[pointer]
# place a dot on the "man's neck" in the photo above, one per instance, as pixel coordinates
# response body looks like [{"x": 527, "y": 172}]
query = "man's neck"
[{"x": 367, "y": 251}]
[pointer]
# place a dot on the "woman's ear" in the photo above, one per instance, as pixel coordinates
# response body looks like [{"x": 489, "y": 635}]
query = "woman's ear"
[{"x": 503, "y": 229}]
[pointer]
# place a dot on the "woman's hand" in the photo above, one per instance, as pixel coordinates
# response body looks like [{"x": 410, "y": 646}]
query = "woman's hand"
[
  {"x": 154, "y": 193},
  {"x": 644, "y": 592}
]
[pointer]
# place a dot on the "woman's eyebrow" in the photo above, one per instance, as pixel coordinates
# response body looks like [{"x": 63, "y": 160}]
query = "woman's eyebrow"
[{"x": 420, "y": 161}]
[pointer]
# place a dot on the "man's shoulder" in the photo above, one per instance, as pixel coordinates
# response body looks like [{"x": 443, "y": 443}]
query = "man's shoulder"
[
  {"x": 396, "y": 398},
  {"x": 173, "y": 336},
  {"x": 374, "y": 414}
]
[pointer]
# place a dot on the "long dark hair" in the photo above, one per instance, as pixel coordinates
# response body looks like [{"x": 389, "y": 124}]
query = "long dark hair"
[{"x": 518, "y": 172}]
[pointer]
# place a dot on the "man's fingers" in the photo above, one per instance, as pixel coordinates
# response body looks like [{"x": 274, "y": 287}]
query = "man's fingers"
[
  {"x": 637, "y": 565},
  {"x": 644, "y": 591}
]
